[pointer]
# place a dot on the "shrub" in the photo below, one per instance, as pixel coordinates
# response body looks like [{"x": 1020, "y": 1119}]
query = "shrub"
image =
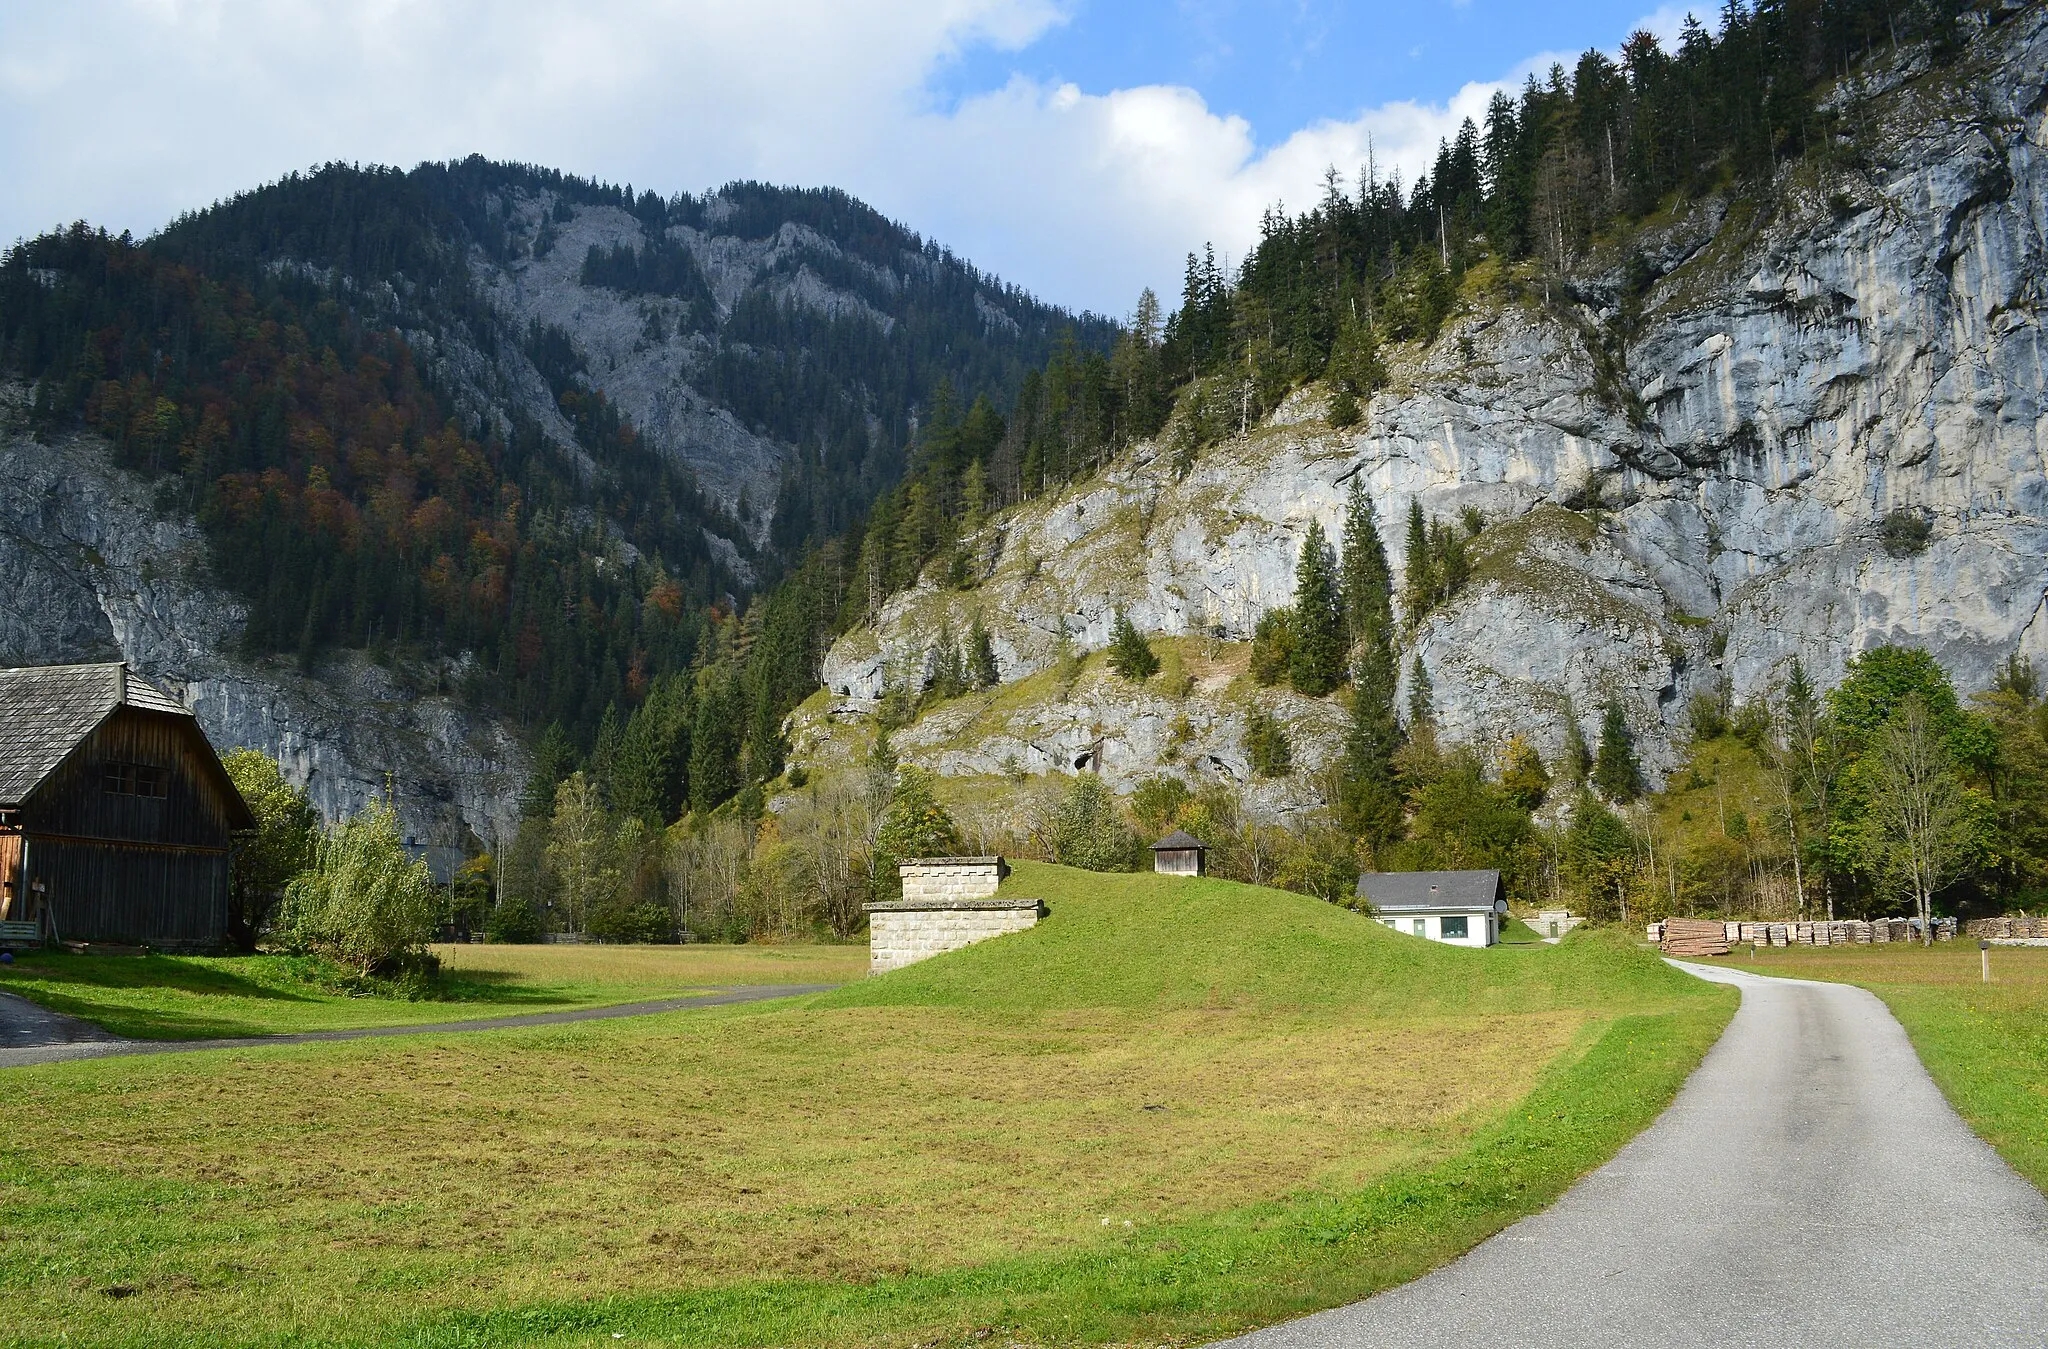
[
  {"x": 1273, "y": 646},
  {"x": 915, "y": 825},
  {"x": 1905, "y": 532},
  {"x": 364, "y": 903},
  {"x": 1266, "y": 745},
  {"x": 282, "y": 846},
  {"x": 1087, "y": 833}
]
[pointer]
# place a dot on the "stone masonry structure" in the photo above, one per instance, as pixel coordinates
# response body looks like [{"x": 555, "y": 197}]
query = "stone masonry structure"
[
  {"x": 948, "y": 903},
  {"x": 952, "y": 877}
]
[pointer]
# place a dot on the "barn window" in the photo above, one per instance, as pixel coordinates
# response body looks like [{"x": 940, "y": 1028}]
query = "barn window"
[
  {"x": 134, "y": 779},
  {"x": 1454, "y": 928}
]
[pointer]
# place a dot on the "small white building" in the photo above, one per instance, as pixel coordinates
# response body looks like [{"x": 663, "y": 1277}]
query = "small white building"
[
  {"x": 1462, "y": 908},
  {"x": 1550, "y": 924}
]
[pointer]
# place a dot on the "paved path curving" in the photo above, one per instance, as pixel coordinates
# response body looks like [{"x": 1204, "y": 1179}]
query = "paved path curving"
[
  {"x": 32, "y": 1034},
  {"x": 1809, "y": 1186}
]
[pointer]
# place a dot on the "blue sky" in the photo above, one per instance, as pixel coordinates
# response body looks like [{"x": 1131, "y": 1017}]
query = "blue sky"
[
  {"x": 1076, "y": 147},
  {"x": 1282, "y": 64}
]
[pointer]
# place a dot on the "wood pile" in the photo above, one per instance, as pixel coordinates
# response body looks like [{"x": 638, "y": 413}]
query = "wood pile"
[
  {"x": 1694, "y": 937},
  {"x": 2010, "y": 926}
]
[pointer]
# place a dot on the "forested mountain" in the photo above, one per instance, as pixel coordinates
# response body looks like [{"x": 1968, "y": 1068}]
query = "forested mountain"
[{"x": 546, "y": 427}]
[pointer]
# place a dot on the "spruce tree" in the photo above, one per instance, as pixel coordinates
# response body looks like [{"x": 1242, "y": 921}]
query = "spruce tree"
[
  {"x": 1130, "y": 655},
  {"x": 1419, "y": 580},
  {"x": 1317, "y": 665},
  {"x": 981, "y": 657},
  {"x": 715, "y": 743},
  {"x": 1370, "y": 805},
  {"x": 1367, "y": 583},
  {"x": 1421, "y": 709},
  {"x": 1615, "y": 770}
]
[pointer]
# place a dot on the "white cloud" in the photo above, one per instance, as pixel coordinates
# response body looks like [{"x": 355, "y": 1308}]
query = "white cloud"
[{"x": 129, "y": 111}]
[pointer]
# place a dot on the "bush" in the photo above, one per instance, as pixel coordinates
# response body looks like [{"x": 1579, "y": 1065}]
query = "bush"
[
  {"x": 1273, "y": 646},
  {"x": 513, "y": 921},
  {"x": 1087, "y": 833},
  {"x": 364, "y": 903},
  {"x": 915, "y": 825},
  {"x": 1905, "y": 532},
  {"x": 1266, "y": 745},
  {"x": 282, "y": 846}
]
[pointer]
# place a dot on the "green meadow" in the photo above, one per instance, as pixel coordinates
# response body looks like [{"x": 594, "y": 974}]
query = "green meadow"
[{"x": 1173, "y": 1110}]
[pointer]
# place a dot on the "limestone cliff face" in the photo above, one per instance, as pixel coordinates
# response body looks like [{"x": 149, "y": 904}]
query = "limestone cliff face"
[
  {"x": 1871, "y": 342},
  {"x": 91, "y": 569}
]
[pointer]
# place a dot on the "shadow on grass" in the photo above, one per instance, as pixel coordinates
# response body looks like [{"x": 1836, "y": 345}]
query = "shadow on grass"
[{"x": 158, "y": 997}]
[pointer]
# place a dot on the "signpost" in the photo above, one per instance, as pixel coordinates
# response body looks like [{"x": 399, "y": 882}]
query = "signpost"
[{"x": 1984, "y": 954}]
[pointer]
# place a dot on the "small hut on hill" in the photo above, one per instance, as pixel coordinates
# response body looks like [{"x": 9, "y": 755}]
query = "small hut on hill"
[
  {"x": 1180, "y": 854},
  {"x": 116, "y": 816}
]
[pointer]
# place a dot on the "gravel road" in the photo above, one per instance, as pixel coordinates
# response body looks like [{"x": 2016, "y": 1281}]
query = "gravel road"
[
  {"x": 1809, "y": 1186},
  {"x": 31, "y": 1034}
]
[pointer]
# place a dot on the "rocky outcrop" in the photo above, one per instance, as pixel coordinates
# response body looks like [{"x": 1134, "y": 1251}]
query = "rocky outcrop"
[
  {"x": 1682, "y": 487},
  {"x": 95, "y": 568}
]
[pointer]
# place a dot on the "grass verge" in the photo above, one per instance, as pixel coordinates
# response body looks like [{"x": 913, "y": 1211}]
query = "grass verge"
[
  {"x": 203, "y": 997},
  {"x": 1984, "y": 1044}
]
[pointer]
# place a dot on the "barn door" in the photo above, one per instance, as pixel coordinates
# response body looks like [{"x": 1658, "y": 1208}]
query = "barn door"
[{"x": 13, "y": 907}]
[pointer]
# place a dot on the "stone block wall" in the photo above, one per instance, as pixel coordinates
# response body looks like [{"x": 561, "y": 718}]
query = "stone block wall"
[
  {"x": 906, "y": 931},
  {"x": 948, "y": 878}
]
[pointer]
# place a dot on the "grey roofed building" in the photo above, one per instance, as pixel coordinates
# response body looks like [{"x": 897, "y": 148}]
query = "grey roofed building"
[
  {"x": 45, "y": 710},
  {"x": 1395, "y": 891},
  {"x": 1177, "y": 841},
  {"x": 117, "y": 819}
]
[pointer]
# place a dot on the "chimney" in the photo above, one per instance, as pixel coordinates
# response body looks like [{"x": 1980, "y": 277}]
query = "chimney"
[{"x": 121, "y": 682}]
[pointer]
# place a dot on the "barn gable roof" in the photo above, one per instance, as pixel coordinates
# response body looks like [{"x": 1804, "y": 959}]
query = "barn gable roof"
[
  {"x": 1398, "y": 890},
  {"x": 1179, "y": 841},
  {"x": 46, "y": 710}
]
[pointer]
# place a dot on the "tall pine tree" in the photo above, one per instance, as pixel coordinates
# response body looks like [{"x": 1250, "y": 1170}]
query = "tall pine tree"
[
  {"x": 1615, "y": 770},
  {"x": 1368, "y": 584},
  {"x": 1317, "y": 665},
  {"x": 1419, "y": 580}
]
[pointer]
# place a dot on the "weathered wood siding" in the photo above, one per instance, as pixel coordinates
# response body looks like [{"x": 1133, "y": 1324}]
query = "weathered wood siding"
[{"x": 119, "y": 866}]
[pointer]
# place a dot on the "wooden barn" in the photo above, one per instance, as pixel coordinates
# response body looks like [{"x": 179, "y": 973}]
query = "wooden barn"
[{"x": 116, "y": 817}]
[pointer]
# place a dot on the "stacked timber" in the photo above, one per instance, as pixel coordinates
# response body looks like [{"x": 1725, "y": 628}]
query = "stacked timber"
[
  {"x": 1694, "y": 937},
  {"x": 1732, "y": 931},
  {"x": 2010, "y": 926}
]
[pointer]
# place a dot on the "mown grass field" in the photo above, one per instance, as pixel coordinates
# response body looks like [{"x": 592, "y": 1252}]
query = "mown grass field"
[
  {"x": 1985, "y": 1045},
  {"x": 204, "y": 997},
  {"x": 1173, "y": 1110}
]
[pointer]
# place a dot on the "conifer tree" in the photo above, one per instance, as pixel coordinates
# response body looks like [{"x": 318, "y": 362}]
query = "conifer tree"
[
  {"x": 981, "y": 656},
  {"x": 1615, "y": 770},
  {"x": 1130, "y": 655},
  {"x": 1317, "y": 665},
  {"x": 715, "y": 743},
  {"x": 1368, "y": 584},
  {"x": 1419, "y": 579},
  {"x": 1421, "y": 708},
  {"x": 1370, "y": 805}
]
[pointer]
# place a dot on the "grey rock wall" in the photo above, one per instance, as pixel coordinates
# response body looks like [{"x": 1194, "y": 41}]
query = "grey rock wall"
[{"x": 1871, "y": 343}]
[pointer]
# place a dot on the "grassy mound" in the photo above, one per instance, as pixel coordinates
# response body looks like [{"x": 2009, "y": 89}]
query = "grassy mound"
[{"x": 1163, "y": 942}]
